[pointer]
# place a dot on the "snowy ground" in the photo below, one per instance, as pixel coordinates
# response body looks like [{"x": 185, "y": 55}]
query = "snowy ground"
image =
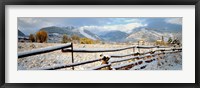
[{"x": 170, "y": 62}]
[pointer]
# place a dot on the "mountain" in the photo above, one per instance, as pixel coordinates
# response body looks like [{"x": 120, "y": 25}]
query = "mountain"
[
  {"x": 89, "y": 34},
  {"x": 20, "y": 33},
  {"x": 115, "y": 36},
  {"x": 151, "y": 35},
  {"x": 148, "y": 34},
  {"x": 63, "y": 30},
  {"x": 55, "y": 33},
  {"x": 157, "y": 30}
]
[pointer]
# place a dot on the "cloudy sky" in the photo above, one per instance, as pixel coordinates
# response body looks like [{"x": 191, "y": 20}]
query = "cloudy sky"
[{"x": 32, "y": 24}]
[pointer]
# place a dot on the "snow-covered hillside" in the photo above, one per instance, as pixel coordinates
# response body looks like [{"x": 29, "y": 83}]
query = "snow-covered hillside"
[
  {"x": 88, "y": 34},
  {"x": 150, "y": 35}
]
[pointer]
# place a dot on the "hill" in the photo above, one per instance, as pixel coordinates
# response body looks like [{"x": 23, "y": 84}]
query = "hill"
[
  {"x": 151, "y": 35},
  {"x": 116, "y": 36}
]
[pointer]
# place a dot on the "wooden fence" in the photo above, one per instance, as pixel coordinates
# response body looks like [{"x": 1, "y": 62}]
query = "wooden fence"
[{"x": 137, "y": 58}]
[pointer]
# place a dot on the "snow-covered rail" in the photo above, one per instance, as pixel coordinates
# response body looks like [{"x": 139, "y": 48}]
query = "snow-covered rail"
[
  {"x": 89, "y": 50},
  {"x": 135, "y": 58},
  {"x": 43, "y": 50},
  {"x": 137, "y": 62}
]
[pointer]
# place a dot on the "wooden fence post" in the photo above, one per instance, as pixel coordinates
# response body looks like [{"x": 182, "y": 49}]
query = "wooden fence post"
[
  {"x": 138, "y": 45},
  {"x": 134, "y": 50},
  {"x": 105, "y": 59},
  {"x": 72, "y": 55}
]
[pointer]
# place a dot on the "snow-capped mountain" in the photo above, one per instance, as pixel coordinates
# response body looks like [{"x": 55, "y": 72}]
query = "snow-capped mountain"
[
  {"x": 89, "y": 34},
  {"x": 151, "y": 35},
  {"x": 115, "y": 36}
]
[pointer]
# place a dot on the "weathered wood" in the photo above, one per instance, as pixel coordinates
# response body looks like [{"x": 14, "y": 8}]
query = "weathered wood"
[
  {"x": 147, "y": 47},
  {"x": 72, "y": 56},
  {"x": 89, "y": 50},
  {"x": 42, "y": 50},
  {"x": 132, "y": 57},
  {"x": 114, "y": 56},
  {"x": 151, "y": 52},
  {"x": 124, "y": 59},
  {"x": 138, "y": 57}
]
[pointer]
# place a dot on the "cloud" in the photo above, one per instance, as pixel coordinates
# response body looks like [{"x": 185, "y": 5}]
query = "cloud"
[
  {"x": 30, "y": 25},
  {"x": 138, "y": 20},
  {"x": 122, "y": 27},
  {"x": 174, "y": 21},
  {"x": 164, "y": 24}
]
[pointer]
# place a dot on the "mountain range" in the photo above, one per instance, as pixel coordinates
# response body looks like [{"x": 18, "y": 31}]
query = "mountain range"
[
  {"x": 147, "y": 34},
  {"x": 150, "y": 35}
]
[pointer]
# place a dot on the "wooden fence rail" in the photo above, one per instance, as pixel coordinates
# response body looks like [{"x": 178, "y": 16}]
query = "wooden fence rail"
[
  {"x": 89, "y": 50},
  {"x": 118, "y": 58},
  {"x": 43, "y": 50},
  {"x": 138, "y": 57}
]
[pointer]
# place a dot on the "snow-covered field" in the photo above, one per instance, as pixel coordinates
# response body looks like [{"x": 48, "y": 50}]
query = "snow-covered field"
[{"x": 170, "y": 62}]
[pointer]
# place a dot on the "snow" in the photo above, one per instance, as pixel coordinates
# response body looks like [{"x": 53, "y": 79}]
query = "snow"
[
  {"x": 86, "y": 35},
  {"x": 169, "y": 62}
]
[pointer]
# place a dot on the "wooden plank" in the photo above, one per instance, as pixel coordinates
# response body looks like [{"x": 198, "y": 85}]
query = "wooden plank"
[
  {"x": 114, "y": 56},
  {"x": 42, "y": 50},
  {"x": 124, "y": 59},
  {"x": 72, "y": 56},
  {"x": 89, "y": 50}
]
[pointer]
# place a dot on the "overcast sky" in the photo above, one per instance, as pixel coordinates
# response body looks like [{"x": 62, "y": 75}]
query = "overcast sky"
[{"x": 32, "y": 24}]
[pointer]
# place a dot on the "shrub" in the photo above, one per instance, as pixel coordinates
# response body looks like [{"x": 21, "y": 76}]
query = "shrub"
[
  {"x": 75, "y": 37},
  {"x": 86, "y": 41},
  {"x": 65, "y": 39},
  {"x": 159, "y": 42},
  {"x": 41, "y": 36},
  {"x": 32, "y": 38},
  {"x": 97, "y": 41}
]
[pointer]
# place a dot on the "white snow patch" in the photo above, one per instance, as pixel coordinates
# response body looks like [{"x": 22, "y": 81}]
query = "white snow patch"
[{"x": 86, "y": 35}]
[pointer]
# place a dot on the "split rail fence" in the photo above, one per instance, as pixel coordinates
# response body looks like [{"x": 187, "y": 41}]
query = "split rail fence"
[{"x": 136, "y": 58}]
